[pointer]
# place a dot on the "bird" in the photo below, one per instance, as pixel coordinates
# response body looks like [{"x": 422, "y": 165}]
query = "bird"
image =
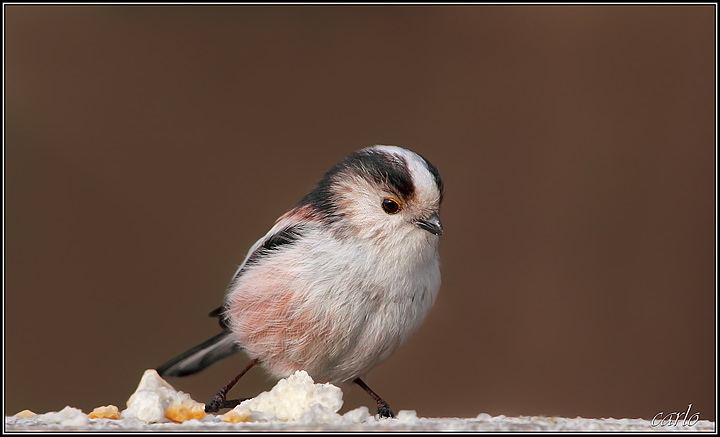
[{"x": 339, "y": 282}]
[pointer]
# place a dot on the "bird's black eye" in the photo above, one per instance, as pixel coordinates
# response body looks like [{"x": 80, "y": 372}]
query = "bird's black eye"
[{"x": 390, "y": 206}]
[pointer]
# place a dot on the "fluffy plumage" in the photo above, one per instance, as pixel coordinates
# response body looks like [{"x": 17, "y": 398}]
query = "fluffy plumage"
[{"x": 340, "y": 282}]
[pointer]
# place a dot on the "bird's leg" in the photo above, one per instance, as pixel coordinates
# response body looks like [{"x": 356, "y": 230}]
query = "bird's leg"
[
  {"x": 383, "y": 407},
  {"x": 218, "y": 401}
]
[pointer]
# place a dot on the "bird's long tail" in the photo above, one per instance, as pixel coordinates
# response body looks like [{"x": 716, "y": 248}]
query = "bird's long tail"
[{"x": 201, "y": 356}]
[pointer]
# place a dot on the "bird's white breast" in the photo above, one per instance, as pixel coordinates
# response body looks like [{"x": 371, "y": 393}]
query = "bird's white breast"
[{"x": 346, "y": 304}]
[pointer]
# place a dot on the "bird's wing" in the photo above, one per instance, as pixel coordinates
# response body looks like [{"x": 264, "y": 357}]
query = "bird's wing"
[
  {"x": 284, "y": 232},
  {"x": 281, "y": 234}
]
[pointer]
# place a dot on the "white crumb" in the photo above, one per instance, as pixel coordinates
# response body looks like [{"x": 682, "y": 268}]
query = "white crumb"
[
  {"x": 406, "y": 416},
  {"x": 146, "y": 407},
  {"x": 67, "y": 417},
  {"x": 294, "y": 399},
  {"x": 156, "y": 401},
  {"x": 358, "y": 415}
]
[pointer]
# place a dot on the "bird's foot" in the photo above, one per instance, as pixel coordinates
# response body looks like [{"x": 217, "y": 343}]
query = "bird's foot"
[
  {"x": 384, "y": 410},
  {"x": 218, "y": 402},
  {"x": 214, "y": 405}
]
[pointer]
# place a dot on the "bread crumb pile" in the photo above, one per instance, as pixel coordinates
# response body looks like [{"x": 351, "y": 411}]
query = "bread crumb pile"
[{"x": 294, "y": 399}]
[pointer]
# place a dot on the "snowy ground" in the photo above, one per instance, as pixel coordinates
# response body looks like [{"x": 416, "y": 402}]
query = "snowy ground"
[{"x": 296, "y": 404}]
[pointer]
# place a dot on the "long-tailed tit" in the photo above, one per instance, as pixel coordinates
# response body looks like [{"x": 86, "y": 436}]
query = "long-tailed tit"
[{"x": 341, "y": 280}]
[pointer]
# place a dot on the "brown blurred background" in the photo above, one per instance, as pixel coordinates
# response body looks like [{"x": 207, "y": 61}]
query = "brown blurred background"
[{"x": 147, "y": 148}]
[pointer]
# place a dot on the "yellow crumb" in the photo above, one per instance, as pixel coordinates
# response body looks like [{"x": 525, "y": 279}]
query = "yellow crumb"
[
  {"x": 233, "y": 416},
  {"x": 180, "y": 412},
  {"x": 25, "y": 414},
  {"x": 110, "y": 412}
]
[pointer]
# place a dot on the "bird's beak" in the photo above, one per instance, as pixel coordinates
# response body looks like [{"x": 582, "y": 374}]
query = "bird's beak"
[{"x": 431, "y": 224}]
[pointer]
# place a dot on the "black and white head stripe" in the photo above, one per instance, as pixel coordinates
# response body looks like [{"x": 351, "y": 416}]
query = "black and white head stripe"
[
  {"x": 394, "y": 167},
  {"x": 436, "y": 175},
  {"x": 424, "y": 175},
  {"x": 385, "y": 169}
]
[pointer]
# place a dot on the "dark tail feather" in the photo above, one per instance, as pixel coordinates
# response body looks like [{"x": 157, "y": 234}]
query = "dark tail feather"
[{"x": 201, "y": 356}]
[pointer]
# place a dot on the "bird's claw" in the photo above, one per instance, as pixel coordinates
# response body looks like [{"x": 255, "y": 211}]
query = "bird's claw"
[
  {"x": 214, "y": 405},
  {"x": 219, "y": 402},
  {"x": 384, "y": 410}
]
